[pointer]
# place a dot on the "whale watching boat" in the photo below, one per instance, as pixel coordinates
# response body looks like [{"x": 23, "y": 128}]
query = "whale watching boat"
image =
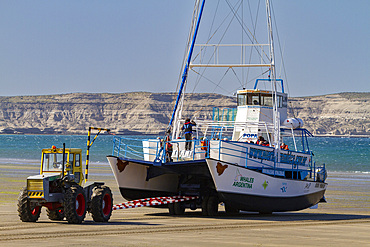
[{"x": 238, "y": 156}]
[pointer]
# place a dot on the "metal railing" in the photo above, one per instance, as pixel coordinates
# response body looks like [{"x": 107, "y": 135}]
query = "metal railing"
[
  {"x": 253, "y": 154},
  {"x": 266, "y": 158}
]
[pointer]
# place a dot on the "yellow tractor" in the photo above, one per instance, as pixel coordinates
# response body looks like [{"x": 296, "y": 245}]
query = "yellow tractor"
[{"x": 59, "y": 189}]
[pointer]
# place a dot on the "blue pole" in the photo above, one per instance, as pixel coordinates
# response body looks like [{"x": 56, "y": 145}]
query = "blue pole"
[{"x": 186, "y": 69}]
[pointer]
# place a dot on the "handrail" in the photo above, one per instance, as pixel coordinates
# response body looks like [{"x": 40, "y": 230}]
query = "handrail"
[
  {"x": 297, "y": 164},
  {"x": 130, "y": 148}
]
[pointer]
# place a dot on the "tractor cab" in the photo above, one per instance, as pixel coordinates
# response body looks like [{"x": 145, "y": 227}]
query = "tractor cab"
[{"x": 52, "y": 162}]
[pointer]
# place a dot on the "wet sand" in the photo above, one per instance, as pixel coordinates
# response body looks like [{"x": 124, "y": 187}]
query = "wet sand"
[{"x": 343, "y": 221}]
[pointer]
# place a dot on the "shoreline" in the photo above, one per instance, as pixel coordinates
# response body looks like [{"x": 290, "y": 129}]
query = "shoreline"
[{"x": 156, "y": 134}]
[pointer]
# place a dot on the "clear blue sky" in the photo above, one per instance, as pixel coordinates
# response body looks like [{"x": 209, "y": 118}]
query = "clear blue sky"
[{"x": 52, "y": 47}]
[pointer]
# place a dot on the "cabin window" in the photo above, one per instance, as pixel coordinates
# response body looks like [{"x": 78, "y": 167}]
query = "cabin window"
[
  {"x": 285, "y": 101},
  {"x": 242, "y": 99},
  {"x": 71, "y": 159},
  {"x": 253, "y": 99},
  {"x": 261, "y": 99},
  {"x": 266, "y": 100},
  {"x": 53, "y": 162},
  {"x": 77, "y": 160}
]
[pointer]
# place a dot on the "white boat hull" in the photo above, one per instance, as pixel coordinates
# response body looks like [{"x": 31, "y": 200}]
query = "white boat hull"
[
  {"x": 250, "y": 190},
  {"x": 131, "y": 179}
]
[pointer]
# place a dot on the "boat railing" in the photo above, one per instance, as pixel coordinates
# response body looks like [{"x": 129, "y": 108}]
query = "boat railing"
[
  {"x": 259, "y": 157},
  {"x": 128, "y": 147},
  {"x": 159, "y": 151},
  {"x": 175, "y": 151},
  {"x": 221, "y": 129},
  {"x": 252, "y": 156}
]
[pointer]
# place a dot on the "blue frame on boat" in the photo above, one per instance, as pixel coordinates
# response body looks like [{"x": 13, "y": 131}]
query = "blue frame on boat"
[{"x": 279, "y": 80}]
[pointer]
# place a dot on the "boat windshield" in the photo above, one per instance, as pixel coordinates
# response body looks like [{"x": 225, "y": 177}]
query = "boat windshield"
[{"x": 261, "y": 99}]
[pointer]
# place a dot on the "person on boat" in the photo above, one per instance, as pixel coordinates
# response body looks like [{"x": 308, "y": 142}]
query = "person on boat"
[
  {"x": 260, "y": 140},
  {"x": 169, "y": 149},
  {"x": 266, "y": 143},
  {"x": 284, "y": 146},
  {"x": 188, "y": 132}
]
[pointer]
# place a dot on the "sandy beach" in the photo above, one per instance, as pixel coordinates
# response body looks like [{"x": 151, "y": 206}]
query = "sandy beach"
[{"x": 343, "y": 221}]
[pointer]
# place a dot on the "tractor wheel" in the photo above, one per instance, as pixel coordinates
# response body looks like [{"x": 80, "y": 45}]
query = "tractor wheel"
[
  {"x": 101, "y": 204},
  {"x": 204, "y": 206},
  {"x": 171, "y": 209},
  {"x": 212, "y": 206},
  {"x": 179, "y": 208},
  {"x": 57, "y": 214},
  {"x": 28, "y": 211},
  {"x": 231, "y": 209},
  {"x": 75, "y": 204}
]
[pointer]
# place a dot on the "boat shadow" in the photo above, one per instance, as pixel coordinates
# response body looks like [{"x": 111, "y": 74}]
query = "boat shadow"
[{"x": 282, "y": 216}]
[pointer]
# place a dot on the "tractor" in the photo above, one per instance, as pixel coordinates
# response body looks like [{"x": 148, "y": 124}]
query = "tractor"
[{"x": 62, "y": 189}]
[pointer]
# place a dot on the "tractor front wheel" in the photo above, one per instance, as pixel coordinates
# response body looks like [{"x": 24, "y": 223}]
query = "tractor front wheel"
[
  {"x": 28, "y": 211},
  {"x": 75, "y": 204},
  {"x": 101, "y": 204}
]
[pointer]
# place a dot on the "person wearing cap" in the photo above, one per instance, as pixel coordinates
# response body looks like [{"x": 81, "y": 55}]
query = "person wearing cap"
[{"x": 188, "y": 132}]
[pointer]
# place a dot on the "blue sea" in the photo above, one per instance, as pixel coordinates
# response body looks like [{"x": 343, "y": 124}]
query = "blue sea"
[{"x": 339, "y": 154}]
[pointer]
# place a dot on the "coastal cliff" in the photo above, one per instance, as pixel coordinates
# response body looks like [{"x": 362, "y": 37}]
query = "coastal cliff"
[{"x": 149, "y": 113}]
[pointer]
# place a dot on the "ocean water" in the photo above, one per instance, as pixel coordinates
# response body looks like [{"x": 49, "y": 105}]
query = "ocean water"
[{"x": 338, "y": 154}]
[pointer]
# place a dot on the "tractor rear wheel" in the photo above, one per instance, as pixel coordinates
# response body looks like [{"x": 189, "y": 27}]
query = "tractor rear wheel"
[
  {"x": 28, "y": 211},
  {"x": 101, "y": 204},
  {"x": 57, "y": 214},
  {"x": 75, "y": 204}
]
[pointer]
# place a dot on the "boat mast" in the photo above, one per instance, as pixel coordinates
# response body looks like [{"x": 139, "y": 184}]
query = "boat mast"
[
  {"x": 186, "y": 68},
  {"x": 273, "y": 79}
]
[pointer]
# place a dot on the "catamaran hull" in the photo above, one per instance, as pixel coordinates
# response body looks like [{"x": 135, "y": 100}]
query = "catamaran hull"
[
  {"x": 250, "y": 190},
  {"x": 131, "y": 178}
]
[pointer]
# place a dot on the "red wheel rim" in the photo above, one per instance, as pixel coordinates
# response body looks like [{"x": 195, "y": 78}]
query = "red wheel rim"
[
  {"x": 107, "y": 204},
  {"x": 35, "y": 210},
  {"x": 80, "y": 204}
]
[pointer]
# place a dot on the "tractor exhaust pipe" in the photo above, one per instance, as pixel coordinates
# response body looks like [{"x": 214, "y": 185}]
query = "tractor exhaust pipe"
[{"x": 63, "y": 160}]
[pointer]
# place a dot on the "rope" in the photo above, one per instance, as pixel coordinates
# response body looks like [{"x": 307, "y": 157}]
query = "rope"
[{"x": 153, "y": 201}]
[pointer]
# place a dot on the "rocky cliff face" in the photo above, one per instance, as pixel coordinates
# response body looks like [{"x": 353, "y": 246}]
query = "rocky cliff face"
[
  {"x": 129, "y": 113},
  {"x": 149, "y": 113},
  {"x": 334, "y": 114}
]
